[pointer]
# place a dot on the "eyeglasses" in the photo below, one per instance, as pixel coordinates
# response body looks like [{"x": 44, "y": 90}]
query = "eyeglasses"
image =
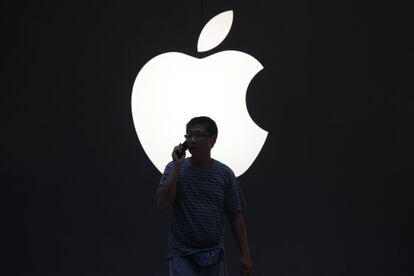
[{"x": 196, "y": 136}]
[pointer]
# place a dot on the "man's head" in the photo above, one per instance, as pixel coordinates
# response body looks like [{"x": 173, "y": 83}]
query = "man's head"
[
  {"x": 209, "y": 125},
  {"x": 201, "y": 134}
]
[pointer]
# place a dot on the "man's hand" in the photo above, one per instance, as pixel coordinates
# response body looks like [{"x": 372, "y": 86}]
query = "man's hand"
[
  {"x": 178, "y": 161},
  {"x": 245, "y": 266},
  {"x": 166, "y": 192},
  {"x": 238, "y": 227}
]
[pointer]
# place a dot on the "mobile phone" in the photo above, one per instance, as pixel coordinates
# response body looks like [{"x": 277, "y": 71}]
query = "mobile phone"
[{"x": 181, "y": 152}]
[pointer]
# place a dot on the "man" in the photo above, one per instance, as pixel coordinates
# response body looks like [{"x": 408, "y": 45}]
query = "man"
[{"x": 200, "y": 190}]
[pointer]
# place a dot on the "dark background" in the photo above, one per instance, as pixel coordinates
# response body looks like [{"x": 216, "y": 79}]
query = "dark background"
[{"x": 328, "y": 194}]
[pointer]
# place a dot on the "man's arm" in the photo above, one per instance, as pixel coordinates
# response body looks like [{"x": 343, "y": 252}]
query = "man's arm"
[
  {"x": 238, "y": 228},
  {"x": 166, "y": 192}
]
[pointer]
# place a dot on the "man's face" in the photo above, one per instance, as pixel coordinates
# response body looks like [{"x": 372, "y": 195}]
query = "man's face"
[{"x": 199, "y": 141}]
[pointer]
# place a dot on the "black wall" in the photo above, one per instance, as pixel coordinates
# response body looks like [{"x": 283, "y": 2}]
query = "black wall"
[{"x": 328, "y": 194}]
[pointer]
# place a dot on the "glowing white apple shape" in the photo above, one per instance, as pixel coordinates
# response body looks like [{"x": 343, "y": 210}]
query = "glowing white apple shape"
[{"x": 174, "y": 87}]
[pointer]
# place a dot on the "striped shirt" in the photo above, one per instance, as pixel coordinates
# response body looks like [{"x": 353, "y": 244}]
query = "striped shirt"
[{"x": 197, "y": 213}]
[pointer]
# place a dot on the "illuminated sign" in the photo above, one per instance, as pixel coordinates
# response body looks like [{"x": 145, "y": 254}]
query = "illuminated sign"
[{"x": 173, "y": 87}]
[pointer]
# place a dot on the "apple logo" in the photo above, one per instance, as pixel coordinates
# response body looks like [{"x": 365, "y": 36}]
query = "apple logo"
[{"x": 173, "y": 87}]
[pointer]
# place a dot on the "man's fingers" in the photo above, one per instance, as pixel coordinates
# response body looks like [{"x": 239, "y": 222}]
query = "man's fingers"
[
  {"x": 178, "y": 149},
  {"x": 245, "y": 270},
  {"x": 174, "y": 153}
]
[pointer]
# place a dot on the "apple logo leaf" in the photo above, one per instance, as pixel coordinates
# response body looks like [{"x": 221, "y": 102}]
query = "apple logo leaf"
[{"x": 215, "y": 31}]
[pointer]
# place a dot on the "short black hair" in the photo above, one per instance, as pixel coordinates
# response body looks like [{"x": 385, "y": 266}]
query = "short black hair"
[{"x": 205, "y": 121}]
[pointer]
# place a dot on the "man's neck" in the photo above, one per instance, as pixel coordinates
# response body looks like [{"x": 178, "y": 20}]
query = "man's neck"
[{"x": 202, "y": 163}]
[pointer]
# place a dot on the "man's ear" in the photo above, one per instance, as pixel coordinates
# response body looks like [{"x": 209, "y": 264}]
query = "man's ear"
[{"x": 214, "y": 138}]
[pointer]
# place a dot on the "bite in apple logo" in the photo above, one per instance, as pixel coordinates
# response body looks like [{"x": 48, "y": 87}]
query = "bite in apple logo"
[{"x": 173, "y": 87}]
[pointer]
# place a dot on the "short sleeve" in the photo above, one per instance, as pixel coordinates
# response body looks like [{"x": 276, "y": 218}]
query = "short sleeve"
[
  {"x": 234, "y": 201},
  {"x": 167, "y": 170}
]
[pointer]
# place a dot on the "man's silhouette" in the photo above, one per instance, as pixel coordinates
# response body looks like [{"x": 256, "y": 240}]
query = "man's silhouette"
[{"x": 199, "y": 191}]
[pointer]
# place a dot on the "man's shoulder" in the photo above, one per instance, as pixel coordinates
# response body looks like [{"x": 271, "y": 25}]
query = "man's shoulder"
[
  {"x": 169, "y": 166},
  {"x": 220, "y": 166}
]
